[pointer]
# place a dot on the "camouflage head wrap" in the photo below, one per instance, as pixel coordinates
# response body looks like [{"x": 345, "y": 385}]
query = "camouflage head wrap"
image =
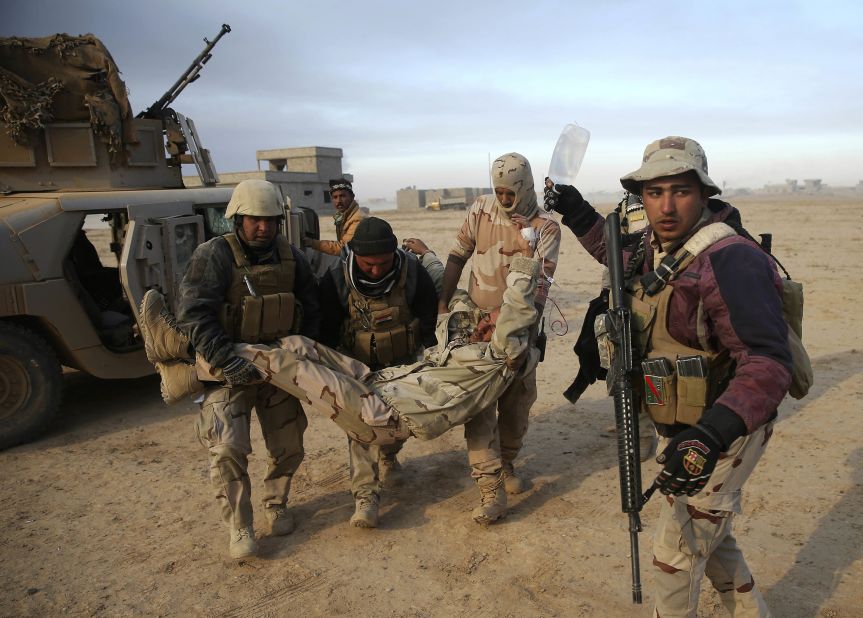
[
  {"x": 670, "y": 156},
  {"x": 512, "y": 171}
]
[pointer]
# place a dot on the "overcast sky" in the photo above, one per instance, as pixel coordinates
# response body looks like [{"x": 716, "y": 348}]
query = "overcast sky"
[{"x": 421, "y": 93}]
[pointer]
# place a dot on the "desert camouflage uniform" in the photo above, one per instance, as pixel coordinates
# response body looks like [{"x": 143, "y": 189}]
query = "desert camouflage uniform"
[
  {"x": 489, "y": 238},
  {"x": 454, "y": 381},
  {"x": 694, "y": 538},
  {"x": 346, "y": 226},
  {"x": 223, "y": 423}
]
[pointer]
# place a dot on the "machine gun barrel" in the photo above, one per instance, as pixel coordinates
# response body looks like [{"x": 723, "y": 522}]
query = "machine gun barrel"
[
  {"x": 625, "y": 413},
  {"x": 189, "y": 75}
]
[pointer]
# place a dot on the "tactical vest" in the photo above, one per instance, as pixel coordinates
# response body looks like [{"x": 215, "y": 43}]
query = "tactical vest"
[
  {"x": 259, "y": 304},
  {"x": 381, "y": 331},
  {"x": 680, "y": 382}
]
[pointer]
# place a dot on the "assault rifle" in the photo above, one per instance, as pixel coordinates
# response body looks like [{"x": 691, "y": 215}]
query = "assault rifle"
[
  {"x": 157, "y": 109},
  {"x": 618, "y": 323}
]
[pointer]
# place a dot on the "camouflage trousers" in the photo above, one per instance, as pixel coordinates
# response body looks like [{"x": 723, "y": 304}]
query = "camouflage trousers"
[
  {"x": 694, "y": 538},
  {"x": 495, "y": 436},
  {"x": 364, "y": 459},
  {"x": 223, "y": 427}
]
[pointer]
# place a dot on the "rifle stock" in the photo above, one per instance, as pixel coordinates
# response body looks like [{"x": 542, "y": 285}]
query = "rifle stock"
[{"x": 620, "y": 385}]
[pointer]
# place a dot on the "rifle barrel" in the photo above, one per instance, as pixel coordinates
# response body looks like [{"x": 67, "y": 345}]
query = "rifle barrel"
[{"x": 188, "y": 76}]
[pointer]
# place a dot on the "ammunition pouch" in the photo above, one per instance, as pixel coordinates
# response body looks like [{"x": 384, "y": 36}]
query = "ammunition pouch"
[
  {"x": 381, "y": 348},
  {"x": 262, "y": 318},
  {"x": 674, "y": 396}
]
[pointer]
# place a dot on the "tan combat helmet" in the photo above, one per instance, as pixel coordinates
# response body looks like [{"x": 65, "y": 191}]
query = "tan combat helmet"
[
  {"x": 258, "y": 198},
  {"x": 667, "y": 157}
]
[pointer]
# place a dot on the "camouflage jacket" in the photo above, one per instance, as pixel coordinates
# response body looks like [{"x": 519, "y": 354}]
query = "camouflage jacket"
[
  {"x": 456, "y": 379},
  {"x": 203, "y": 290},
  {"x": 490, "y": 239},
  {"x": 345, "y": 229}
]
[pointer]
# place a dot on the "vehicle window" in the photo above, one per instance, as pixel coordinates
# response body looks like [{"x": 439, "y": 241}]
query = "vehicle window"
[{"x": 215, "y": 222}]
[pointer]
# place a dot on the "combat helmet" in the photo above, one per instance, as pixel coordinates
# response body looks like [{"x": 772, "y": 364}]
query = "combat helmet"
[{"x": 258, "y": 198}]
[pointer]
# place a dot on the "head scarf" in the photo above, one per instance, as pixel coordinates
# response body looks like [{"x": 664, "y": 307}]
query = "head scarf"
[{"x": 512, "y": 171}]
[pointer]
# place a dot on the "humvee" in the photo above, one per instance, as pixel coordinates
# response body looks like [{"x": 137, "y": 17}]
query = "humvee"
[{"x": 70, "y": 152}]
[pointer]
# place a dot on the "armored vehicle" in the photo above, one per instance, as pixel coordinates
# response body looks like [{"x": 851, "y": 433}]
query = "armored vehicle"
[{"x": 71, "y": 152}]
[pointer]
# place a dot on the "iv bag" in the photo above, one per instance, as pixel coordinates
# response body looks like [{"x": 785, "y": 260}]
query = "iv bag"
[{"x": 568, "y": 154}]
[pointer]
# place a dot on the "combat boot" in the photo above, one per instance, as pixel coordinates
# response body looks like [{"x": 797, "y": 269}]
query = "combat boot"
[
  {"x": 512, "y": 483},
  {"x": 179, "y": 380},
  {"x": 493, "y": 499},
  {"x": 243, "y": 543},
  {"x": 366, "y": 512},
  {"x": 281, "y": 520},
  {"x": 163, "y": 340},
  {"x": 390, "y": 471}
]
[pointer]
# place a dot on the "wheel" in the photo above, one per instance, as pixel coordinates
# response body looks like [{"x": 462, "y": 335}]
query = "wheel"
[{"x": 30, "y": 384}]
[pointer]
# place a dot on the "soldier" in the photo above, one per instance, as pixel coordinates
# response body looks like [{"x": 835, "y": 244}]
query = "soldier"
[
  {"x": 248, "y": 286},
  {"x": 378, "y": 305},
  {"x": 490, "y": 235},
  {"x": 707, "y": 315},
  {"x": 347, "y": 218}
]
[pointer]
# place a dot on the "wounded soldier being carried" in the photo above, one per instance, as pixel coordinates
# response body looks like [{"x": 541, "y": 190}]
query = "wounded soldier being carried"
[{"x": 476, "y": 357}]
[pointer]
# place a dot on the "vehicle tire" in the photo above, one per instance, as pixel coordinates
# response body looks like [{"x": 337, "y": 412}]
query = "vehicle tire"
[{"x": 31, "y": 384}]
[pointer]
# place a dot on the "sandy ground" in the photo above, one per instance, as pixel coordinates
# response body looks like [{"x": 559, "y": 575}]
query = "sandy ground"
[{"x": 111, "y": 514}]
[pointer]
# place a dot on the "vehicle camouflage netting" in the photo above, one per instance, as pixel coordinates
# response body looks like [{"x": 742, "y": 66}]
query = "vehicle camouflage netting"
[{"x": 64, "y": 78}]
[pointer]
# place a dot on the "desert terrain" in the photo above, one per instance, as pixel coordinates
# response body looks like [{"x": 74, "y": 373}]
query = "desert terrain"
[{"x": 110, "y": 513}]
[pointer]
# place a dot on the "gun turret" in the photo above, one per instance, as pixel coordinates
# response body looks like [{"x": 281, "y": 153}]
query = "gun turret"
[{"x": 157, "y": 109}]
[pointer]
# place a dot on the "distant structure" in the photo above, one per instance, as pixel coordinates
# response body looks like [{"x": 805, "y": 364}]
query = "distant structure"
[
  {"x": 411, "y": 198},
  {"x": 810, "y": 185},
  {"x": 301, "y": 174}
]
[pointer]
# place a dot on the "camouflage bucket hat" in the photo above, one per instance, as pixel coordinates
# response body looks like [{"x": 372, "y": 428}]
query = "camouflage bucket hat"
[{"x": 667, "y": 157}]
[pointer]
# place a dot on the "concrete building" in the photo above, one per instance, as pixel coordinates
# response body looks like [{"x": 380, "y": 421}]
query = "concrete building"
[
  {"x": 301, "y": 174},
  {"x": 812, "y": 185},
  {"x": 411, "y": 198},
  {"x": 790, "y": 186}
]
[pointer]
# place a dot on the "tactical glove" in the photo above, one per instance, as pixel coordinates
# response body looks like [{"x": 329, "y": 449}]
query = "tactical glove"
[
  {"x": 239, "y": 371},
  {"x": 577, "y": 213},
  {"x": 689, "y": 460},
  {"x": 564, "y": 199}
]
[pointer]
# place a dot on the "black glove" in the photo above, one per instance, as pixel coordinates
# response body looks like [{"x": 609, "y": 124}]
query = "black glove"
[
  {"x": 238, "y": 371},
  {"x": 564, "y": 199},
  {"x": 689, "y": 461}
]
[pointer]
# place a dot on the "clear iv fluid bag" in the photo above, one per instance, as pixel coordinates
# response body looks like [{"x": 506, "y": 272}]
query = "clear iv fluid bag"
[{"x": 568, "y": 154}]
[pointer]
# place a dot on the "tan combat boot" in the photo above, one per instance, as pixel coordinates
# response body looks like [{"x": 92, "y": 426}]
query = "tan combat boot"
[
  {"x": 390, "y": 471},
  {"x": 179, "y": 381},
  {"x": 281, "y": 520},
  {"x": 512, "y": 483},
  {"x": 243, "y": 543},
  {"x": 366, "y": 512},
  {"x": 493, "y": 499},
  {"x": 163, "y": 341}
]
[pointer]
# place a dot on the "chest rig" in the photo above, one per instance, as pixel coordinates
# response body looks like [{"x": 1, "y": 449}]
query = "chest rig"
[
  {"x": 259, "y": 304},
  {"x": 381, "y": 331},
  {"x": 679, "y": 382}
]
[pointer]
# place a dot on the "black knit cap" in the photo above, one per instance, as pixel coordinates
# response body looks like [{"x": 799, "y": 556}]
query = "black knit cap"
[
  {"x": 373, "y": 237},
  {"x": 341, "y": 183}
]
